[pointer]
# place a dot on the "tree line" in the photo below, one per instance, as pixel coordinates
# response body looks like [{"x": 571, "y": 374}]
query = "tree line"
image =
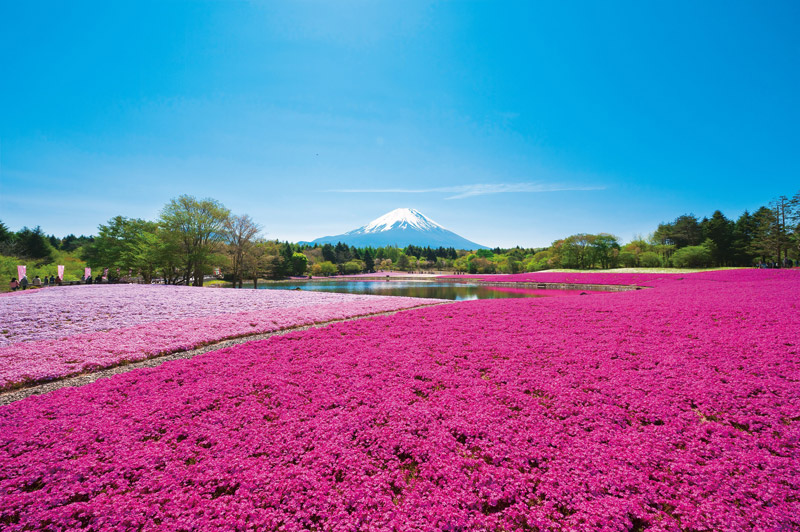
[
  {"x": 768, "y": 236},
  {"x": 193, "y": 238}
]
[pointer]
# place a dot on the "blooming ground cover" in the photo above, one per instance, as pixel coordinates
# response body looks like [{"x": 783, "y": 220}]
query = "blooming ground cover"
[
  {"x": 59, "y": 312},
  {"x": 56, "y": 332},
  {"x": 675, "y": 408},
  {"x": 638, "y": 279}
]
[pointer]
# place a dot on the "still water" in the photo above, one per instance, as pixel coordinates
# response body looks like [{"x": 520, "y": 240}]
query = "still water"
[{"x": 431, "y": 289}]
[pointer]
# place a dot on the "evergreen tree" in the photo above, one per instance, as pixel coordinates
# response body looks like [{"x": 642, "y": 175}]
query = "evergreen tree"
[
  {"x": 32, "y": 244},
  {"x": 369, "y": 263},
  {"x": 6, "y": 239},
  {"x": 720, "y": 231},
  {"x": 328, "y": 253},
  {"x": 742, "y": 240}
]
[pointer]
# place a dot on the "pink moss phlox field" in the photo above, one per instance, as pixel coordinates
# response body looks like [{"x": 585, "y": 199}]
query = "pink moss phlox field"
[
  {"x": 51, "y": 354},
  {"x": 670, "y": 409},
  {"x": 60, "y": 312},
  {"x": 534, "y": 292},
  {"x": 638, "y": 279},
  {"x": 632, "y": 279}
]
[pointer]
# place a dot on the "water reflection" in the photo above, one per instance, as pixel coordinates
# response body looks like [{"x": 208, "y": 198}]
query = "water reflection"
[{"x": 458, "y": 291}]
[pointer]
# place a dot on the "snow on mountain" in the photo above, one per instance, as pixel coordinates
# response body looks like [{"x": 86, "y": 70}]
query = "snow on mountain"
[
  {"x": 398, "y": 219},
  {"x": 400, "y": 227}
]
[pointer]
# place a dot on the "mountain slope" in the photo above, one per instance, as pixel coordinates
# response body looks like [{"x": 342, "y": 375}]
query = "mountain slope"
[{"x": 401, "y": 227}]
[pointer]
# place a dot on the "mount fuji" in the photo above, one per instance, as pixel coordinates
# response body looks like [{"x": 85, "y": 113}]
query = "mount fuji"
[{"x": 401, "y": 228}]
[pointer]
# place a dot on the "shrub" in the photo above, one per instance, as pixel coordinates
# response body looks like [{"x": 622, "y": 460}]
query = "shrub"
[
  {"x": 648, "y": 259},
  {"x": 692, "y": 257},
  {"x": 627, "y": 259},
  {"x": 324, "y": 269},
  {"x": 352, "y": 267}
]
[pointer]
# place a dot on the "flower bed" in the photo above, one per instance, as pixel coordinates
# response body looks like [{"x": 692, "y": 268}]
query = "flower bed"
[
  {"x": 72, "y": 330},
  {"x": 60, "y": 312},
  {"x": 633, "y": 279},
  {"x": 639, "y": 279},
  {"x": 676, "y": 408}
]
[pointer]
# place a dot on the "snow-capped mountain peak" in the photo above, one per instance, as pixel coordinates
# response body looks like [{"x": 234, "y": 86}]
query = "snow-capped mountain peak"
[
  {"x": 398, "y": 219},
  {"x": 400, "y": 228}
]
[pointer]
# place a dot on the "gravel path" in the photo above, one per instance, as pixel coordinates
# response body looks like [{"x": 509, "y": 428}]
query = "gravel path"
[{"x": 81, "y": 380}]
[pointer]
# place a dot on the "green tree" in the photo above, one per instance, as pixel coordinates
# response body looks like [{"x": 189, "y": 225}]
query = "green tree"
[
  {"x": 369, "y": 263},
  {"x": 720, "y": 231},
  {"x": 402, "y": 262},
  {"x": 684, "y": 231},
  {"x": 765, "y": 240},
  {"x": 742, "y": 240},
  {"x": 692, "y": 257},
  {"x": 150, "y": 254},
  {"x": 575, "y": 251},
  {"x": 352, "y": 267},
  {"x": 118, "y": 244},
  {"x": 605, "y": 250},
  {"x": 649, "y": 259},
  {"x": 299, "y": 264},
  {"x": 328, "y": 253},
  {"x": 6, "y": 240},
  {"x": 196, "y": 226},
  {"x": 71, "y": 242},
  {"x": 324, "y": 269},
  {"x": 32, "y": 244}
]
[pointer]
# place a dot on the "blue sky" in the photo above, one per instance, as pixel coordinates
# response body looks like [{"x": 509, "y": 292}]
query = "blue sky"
[{"x": 508, "y": 123}]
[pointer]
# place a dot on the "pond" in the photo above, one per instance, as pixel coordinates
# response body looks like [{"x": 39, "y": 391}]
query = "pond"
[{"x": 459, "y": 291}]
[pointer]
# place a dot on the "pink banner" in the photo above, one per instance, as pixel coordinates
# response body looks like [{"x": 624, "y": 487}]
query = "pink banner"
[
  {"x": 87, "y": 272},
  {"x": 21, "y": 272},
  {"x": 61, "y": 271},
  {"x": 105, "y": 274}
]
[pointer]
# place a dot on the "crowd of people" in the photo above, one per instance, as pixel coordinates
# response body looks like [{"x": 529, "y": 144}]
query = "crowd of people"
[
  {"x": 785, "y": 263},
  {"x": 37, "y": 282}
]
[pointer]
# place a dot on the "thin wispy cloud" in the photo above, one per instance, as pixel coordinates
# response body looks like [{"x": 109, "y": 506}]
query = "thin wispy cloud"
[{"x": 469, "y": 191}]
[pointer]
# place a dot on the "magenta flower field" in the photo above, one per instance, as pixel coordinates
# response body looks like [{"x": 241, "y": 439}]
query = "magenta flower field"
[
  {"x": 59, "y": 332},
  {"x": 673, "y": 408}
]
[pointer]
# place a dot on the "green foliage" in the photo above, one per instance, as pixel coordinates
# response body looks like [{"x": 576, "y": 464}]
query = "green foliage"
[
  {"x": 299, "y": 264},
  {"x": 352, "y": 267},
  {"x": 692, "y": 257},
  {"x": 628, "y": 259},
  {"x": 369, "y": 263},
  {"x": 324, "y": 269},
  {"x": 649, "y": 259},
  {"x": 31, "y": 245},
  {"x": 5, "y": 234},
  {"x": 328, "y": 253},
  {"x": 402, "y": 262},
  {"x": 194, "y": 227},
  {"x": 584, "y": 251}
]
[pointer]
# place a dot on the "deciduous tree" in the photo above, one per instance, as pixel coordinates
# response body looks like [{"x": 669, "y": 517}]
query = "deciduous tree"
[{"x": 196, "y": 225}]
